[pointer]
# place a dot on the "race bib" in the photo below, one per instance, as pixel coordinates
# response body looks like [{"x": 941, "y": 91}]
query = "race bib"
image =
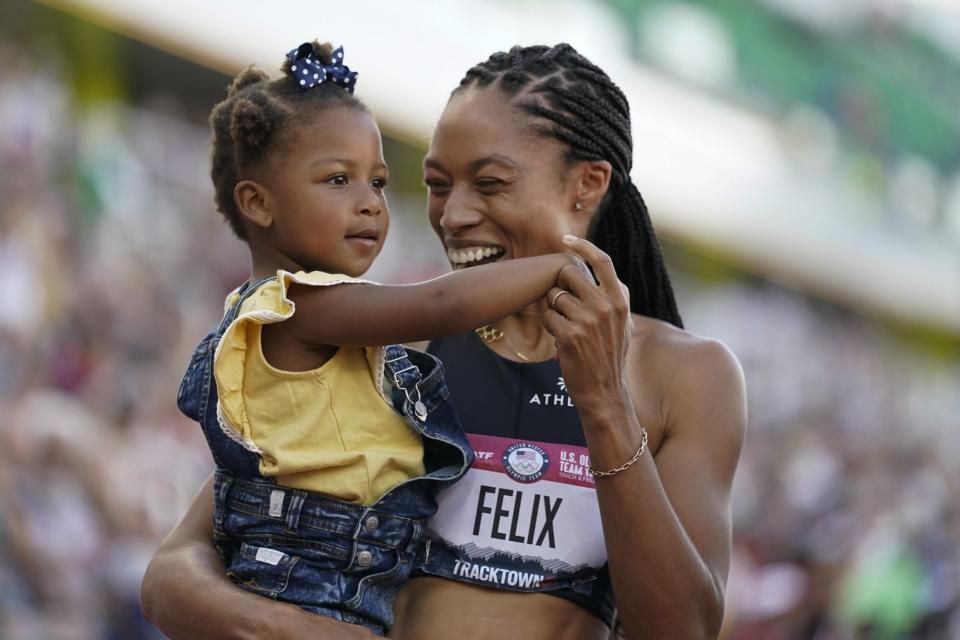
[{"x": 525, "y": 516}]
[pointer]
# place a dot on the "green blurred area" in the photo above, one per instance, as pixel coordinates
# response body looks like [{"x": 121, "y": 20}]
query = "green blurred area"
[
  {"x": 890, "y": 90},
  {"x": 884, "y": 597},
  {"x": 91, "y": 57}
]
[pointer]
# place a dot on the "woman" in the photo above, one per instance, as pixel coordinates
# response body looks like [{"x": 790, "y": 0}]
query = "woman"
[{"x": 534, "y": 145}]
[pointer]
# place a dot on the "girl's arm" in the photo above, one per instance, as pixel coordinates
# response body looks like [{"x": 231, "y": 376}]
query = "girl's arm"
[
  {"x": 186, "y": 594},
  {"x": 453, "y": 303}
]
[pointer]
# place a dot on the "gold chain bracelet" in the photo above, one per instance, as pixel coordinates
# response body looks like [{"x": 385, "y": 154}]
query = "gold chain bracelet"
[{"x": 626, "y": 465}]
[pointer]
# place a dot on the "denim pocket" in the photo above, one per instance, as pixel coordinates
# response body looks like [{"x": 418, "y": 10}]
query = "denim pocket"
[{"x": 261, "y": 569}]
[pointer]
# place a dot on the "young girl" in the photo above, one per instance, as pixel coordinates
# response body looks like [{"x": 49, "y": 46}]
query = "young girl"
[{"x": 330, "y": 450}]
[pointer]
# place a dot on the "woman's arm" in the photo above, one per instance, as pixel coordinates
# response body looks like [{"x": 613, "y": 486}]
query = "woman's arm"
[
  {"x": 186, "y": 593},
  {"x": 666, "y": 521},
  {"x": 451, "y": 304}
]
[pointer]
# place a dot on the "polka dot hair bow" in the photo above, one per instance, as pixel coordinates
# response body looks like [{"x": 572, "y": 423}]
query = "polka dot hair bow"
[{"x": 308, "y": 71}]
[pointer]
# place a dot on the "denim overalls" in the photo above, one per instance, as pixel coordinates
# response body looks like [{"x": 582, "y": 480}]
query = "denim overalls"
[{"x": 336, "y": 558}]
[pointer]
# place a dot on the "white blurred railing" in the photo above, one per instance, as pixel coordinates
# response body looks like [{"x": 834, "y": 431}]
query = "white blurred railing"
[{"x": 714, "y": 174}]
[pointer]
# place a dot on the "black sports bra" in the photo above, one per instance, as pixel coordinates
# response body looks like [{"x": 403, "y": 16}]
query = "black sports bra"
[{"x": 525, "y": 517}]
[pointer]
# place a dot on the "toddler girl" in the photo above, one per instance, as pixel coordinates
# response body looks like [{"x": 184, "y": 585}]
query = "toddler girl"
[{"x": 330, "y": 448}]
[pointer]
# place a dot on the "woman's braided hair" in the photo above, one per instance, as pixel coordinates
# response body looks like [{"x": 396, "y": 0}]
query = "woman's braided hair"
[
  {"x": 256, "y": 119},
  {"x": 583, "y": 108}
]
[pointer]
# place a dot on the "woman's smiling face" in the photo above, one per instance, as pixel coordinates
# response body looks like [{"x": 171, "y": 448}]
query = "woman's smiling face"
[{"x": 496, "y": 189}]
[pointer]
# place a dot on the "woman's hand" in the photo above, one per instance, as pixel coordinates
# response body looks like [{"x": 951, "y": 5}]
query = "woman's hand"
[{"x": 592, "y": 326}]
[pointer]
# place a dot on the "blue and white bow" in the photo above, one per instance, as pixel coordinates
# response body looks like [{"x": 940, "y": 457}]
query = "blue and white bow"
[{"x": 308, "y": 71}]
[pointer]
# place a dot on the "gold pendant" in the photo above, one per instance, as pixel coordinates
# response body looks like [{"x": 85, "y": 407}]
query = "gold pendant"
[{"x": 491, "y": 334}]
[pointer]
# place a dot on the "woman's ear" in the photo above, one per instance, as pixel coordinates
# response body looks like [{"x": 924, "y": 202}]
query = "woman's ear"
[
  {"x": 254, "y": 203},
  {"x": 592, "y": 182}
]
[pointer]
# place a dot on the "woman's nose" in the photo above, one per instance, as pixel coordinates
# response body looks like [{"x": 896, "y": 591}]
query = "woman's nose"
[{"x": 458, "y": 214}]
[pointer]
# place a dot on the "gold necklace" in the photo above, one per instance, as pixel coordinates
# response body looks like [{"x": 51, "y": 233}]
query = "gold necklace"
[{"x": 490, "y": 334}]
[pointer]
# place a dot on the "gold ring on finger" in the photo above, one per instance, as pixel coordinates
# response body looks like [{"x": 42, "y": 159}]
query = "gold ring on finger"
[{"x": 553, "y": 302}]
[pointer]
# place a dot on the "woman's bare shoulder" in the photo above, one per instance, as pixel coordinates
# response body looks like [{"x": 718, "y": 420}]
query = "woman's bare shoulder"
[
  {"x": 672, "y": 351},
  {"x": 694, "y": 376}
]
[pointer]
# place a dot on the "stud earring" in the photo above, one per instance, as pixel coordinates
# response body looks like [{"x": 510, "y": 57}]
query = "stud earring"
[{"x": 578, "y": 206}]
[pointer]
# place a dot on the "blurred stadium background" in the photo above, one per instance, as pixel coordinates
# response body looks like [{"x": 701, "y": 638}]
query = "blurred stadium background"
[{"x": 801, "y": 159}]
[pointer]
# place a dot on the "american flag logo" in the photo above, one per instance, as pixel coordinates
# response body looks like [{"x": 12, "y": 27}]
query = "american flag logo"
[
  {"x": 526, "y": 459},
  {"x": 525, "y": 462}
]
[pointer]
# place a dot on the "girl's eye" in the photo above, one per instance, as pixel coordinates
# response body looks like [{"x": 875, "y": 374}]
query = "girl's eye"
[
  {"x": 338, "y": 180},
  {"x": 379, "y": 183}
]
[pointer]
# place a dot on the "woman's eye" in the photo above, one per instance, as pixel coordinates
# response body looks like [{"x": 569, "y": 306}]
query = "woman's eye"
[
  {"x": 489, "y": 183},
  {"x": 339, "y": 180},
  {"x": 436, "y": 187}
]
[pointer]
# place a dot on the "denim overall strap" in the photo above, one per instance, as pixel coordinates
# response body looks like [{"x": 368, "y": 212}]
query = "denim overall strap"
[
  {"x": 421, "y": 394},
  {"x": 227, "y": 452},
  {"x": 245, "y": 291},
  {"x": 405, "y": 377}
]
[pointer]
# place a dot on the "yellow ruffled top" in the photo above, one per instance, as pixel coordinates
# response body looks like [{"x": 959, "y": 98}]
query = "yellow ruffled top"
[{"x": 331, "y": 430}]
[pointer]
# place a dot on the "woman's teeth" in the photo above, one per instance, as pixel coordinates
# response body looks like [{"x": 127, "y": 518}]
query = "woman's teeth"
[{"x": 463, "y": 257}]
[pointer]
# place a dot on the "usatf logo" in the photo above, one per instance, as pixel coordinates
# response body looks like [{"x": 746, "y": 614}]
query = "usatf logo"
[{"x": 525, "y": 462}]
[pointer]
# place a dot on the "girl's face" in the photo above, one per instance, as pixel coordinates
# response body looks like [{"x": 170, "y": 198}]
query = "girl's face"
[
  {"x": 327, "y": 187},
  {"x": 496, "y": 191}
]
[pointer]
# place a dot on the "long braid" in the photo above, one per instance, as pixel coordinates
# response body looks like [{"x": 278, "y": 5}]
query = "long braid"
[{"x": 588, "y": 112}]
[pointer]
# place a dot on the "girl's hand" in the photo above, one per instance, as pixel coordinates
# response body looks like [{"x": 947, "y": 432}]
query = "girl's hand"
[{"x": 592, "y": 326}]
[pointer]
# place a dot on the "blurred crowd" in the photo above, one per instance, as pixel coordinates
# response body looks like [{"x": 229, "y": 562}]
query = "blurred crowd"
[
  {"x": 846, "y": 523},
  {"x": 113, "y": 264}
]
